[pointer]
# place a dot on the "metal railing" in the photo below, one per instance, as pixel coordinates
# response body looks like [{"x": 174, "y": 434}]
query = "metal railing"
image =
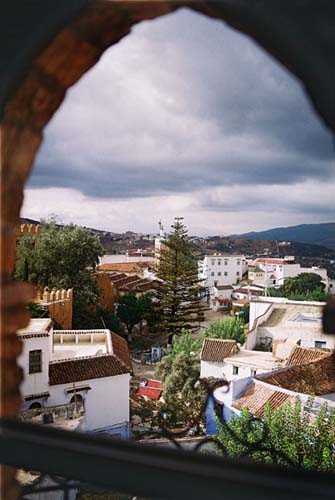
[{"x": 135, "y": 469}]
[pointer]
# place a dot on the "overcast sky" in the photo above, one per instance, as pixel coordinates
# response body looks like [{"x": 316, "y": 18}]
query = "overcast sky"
[{"x": 185, "y": 117}]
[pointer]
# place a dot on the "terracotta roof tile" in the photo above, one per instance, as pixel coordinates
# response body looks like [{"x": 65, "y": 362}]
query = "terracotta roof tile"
[
  {"x": 126, "y": 267},
  {"x": 79, "y": 369},
  {"x": 300, "y": 355},
  {"x": 121, "y": 349},
  {"x": 218, "y": 349},
  {"x": 315, "y": 378},
  {"x": 257, "y": 395}
]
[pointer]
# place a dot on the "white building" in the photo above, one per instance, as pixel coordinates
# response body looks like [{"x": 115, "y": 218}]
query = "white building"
[
  {"x": 222, "y": 358},
  {"x": 221, "y": 269},
  {"x": 278, "y": 319},
  {"x": 91, "y": 367},
  {"x": 279, "y": 387},
  {"x": 220, "y": 296},
  {"x": 269, "y": 272}
]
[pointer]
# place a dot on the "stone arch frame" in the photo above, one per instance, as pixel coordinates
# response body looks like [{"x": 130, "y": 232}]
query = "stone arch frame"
[{"x": 296, "y": 33}]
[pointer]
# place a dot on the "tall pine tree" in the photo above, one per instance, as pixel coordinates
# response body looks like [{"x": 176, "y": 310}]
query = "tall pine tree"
[{"x": 177, "y": 291}]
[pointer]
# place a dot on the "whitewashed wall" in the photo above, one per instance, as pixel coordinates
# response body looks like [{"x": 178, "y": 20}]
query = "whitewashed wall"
[
  {"x": 34, "y": 383},
  {"x": 106, "y": 404}
]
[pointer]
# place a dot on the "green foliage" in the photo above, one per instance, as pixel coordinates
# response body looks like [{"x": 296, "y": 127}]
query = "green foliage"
[
  {"x": 317, "y": 295},
  {"x": 131, "y": 310},
  {"x": 178, "y": 292},
  {"x": 36, "y": 311},
  {"x": 184, "y": 398},
  {"x": 86, "y": 320},
  {"x": 292, "y": 433},
  {"x": 61, "y": 257},
  {"x": 302, "y": 284},
  {"x": 229, "y": 328}
]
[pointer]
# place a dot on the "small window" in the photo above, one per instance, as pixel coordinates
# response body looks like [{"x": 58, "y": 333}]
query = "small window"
[
  {"x": 226, "y": 262},
  {"x": 219, "y": 262},
  {"x": 238, "y": 273},
  {"x": 225, "y": 273},
  {"x": 35, "y": 361},
  {"x": 215, "y": 283},
  {"x": 238, "y": 262},
  {"x": 213, "y": 262},
  {"x": 212, "y": 273},
  {"x": 320, "y": 345},
  {"x": 35, "y": 405},
  {"x": 253, "y": 372},
  {"x": 219, "y": 273},
  {"x": 235, "y": 370},
  {"x": 76, "y": 398}
]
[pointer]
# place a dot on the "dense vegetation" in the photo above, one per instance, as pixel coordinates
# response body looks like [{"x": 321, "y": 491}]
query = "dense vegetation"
[{"x": 288, "y": 435}]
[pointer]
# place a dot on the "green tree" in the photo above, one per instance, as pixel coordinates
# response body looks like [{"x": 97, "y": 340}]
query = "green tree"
[
  {"x": 229, "y": 328},
  {"x": 183, "y": 396},
  {"x": 302, "y": 284},
  {"x": 177, "y": 292},
  {"x": 61, "y": 257},
  {"x": 292, "y": 437},
  {"x": 83, "y": 319},
  {"x": 131, "y": 311}
]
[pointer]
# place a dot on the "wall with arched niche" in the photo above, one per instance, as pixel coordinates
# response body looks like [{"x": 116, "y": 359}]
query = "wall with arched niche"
[{"x": 297, "y": 33}]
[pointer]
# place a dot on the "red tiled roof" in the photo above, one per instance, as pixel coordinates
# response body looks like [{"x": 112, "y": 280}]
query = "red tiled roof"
[
  {"x": 79, "y": 369},
  {"x": 300, "y": 355},
  {"x": 218, "y": 349},
  {"x": 257, "y": 395},
  {"x": 126, "y": 267},
  {"x": 270, "y": 261},
  {"x": 121, "y": 349},
  {"x": 315, "y": 378},
  {"x": 153, "y": 389}
]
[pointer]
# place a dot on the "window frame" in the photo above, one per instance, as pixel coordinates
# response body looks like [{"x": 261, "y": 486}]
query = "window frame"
[{"x": 33, "y": 363}]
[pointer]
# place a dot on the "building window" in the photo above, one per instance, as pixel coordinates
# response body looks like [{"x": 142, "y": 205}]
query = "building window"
[
  {"x": 225, "y": 273},
  {"x": 35, "y": 406},
  {"x": 235, "y": 370},
  {"x": 238, "y": 273},
  {"x": 320, "y": 345},
  {"x": 215, "y": 283},
  {"x": 226, "y": 262},
  {"x": 219, "y": 262},
  {"x": 213, "y": 262},
  {"x": 35, "y": 361},
  {"x": 212, "y": 273},
  {"x": 219, "y": 273},
  {"x": 238, "y": 262},
  {"x": 253, "y": 372}
]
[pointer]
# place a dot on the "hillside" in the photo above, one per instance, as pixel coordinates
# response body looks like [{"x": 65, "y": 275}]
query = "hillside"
[{"x": 315, "y": 234}]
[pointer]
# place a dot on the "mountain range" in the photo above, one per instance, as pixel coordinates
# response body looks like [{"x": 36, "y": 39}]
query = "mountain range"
[{"x": 316, "y": 234}]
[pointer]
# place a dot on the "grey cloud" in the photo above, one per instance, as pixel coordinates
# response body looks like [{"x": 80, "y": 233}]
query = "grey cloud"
[{"x": 182, "y": 104}]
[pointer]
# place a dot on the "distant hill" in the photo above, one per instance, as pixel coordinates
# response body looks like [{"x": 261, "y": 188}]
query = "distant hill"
[{"x": 315, "y": 234}]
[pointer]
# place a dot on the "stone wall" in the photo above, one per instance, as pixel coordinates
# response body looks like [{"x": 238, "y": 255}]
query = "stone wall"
[{"x": 59, "y": 303}]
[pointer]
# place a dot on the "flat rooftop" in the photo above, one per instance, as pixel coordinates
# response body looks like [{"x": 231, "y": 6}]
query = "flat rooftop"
[
  {"x": 37, "y": 326},
  {"x": 256, "y": 359},
  {"x": 78, "y": 343}
]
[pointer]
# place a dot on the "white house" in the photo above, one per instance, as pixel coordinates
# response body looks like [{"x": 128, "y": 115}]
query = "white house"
[
  {"x": 285, "y": 385},
  {"x": 89, "y": 367},
  {"x": 277, "y": 318},
  {"x": 269, "y": 271},
  {"x": 220, "y": 296},
  {"x": 222, "y": 358},
  {"x": 221, "y": 269}
]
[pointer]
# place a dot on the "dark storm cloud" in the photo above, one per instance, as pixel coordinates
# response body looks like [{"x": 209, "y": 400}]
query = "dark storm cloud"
[{"x": 183, "y": 104}]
